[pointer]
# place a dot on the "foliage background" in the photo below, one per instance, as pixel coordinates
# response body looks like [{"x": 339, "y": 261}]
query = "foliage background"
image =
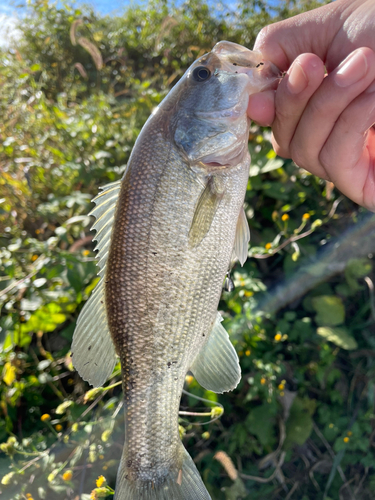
[{"x": 76, "y": 88}]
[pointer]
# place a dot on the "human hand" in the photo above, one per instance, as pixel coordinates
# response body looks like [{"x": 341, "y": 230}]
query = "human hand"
[{"x": 325, "y": 124}]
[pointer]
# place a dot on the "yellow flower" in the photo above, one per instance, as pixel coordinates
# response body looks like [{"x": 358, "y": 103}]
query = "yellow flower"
[
  {"x": 45, "y": 417},
  {"x": 59, "y": 427},
  {"x": 305, "y": 216},
  {"x": 216, "y": 411},
  {"x": 92, "y": 393},
  {"x": 278, "y": 337},
  {"x": 101, "y": 457},
  {"x": 99, "y": 493},
  {"x": 29, "y": 495},
  {"x": 268, "y": 246},
  {"x": 248, "y": 293},
  {"x": 282, "y": 393},
  {"x": 85, "y": 253},
  {"x": 281, "y": 387},
  {"x": 263, "y": 380},
  {"x": 101, "y": 481},
  {"x": 248, "y": 352},
  {"x": 106, "y": 435},
  {"x": 284, "y": 217},
  {"x": 7, "y": 479},
  {"x": 67, "y": 476},
  {"x": 331, "y": 426},
  {"x": 349, "y": 433},
  {"x": 189, "y": 379},
  {"x": 33, "y": 258},
  {"x": 9, "y": 373},
  {"x": 346, "y": 439},
  {"x": 105, "y": 467},
  {"x": 52, "y": 476},
  {"x": 206, "y": 435}
]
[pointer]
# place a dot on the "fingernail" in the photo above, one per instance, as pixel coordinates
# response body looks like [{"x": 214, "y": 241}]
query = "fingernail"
[
  {"x": 352, "y": 69},
  {"x": 297, "y": 80}
]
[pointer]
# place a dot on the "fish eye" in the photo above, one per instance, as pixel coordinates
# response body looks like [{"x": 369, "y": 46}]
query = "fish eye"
[{"x": 201, "y": 73}]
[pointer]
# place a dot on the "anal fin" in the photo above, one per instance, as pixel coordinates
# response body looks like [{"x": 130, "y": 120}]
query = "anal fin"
[{"x": 217, "y": 367}]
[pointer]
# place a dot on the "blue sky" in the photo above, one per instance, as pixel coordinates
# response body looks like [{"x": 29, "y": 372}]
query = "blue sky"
[
  {"x": 105, "y": 6},
  {"x": 9, "y": 13}
]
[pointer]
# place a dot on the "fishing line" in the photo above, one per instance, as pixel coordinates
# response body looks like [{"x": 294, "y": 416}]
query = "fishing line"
[{"x": 215, "y": 413}]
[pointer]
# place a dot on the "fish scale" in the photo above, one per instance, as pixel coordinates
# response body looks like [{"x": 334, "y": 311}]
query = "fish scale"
[{"x": 178, "y": 216}]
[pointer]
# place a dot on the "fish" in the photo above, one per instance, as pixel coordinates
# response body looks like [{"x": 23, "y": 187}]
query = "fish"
[{"x": 166, "y": 234}]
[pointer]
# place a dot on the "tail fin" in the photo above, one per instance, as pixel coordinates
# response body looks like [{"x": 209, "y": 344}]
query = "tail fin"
[{"x": 184, "y": 484}]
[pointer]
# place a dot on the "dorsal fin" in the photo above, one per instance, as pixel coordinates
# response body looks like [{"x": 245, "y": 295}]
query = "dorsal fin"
[{"x": 93, "y": 352}]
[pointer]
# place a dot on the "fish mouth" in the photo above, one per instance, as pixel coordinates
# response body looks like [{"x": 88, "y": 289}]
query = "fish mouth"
[
  {"x": 235, "y": 58},
  {"x": 237, "y": 54}
]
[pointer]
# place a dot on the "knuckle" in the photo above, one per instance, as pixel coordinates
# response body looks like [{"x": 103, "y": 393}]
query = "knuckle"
[
  {"x": 321, "y": 104},
  {"x": 325, "y": 160},
  {"x": 264, "y": 34},
  {"x": 298, "y": 156},
  {"x": 279, "y": 149}
]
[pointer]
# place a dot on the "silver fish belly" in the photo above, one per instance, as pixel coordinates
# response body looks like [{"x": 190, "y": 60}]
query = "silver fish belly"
[{"x": 166, "y": 233}]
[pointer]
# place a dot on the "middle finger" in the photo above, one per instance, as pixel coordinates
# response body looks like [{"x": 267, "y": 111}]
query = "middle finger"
[{"x": 336, "y": 92}]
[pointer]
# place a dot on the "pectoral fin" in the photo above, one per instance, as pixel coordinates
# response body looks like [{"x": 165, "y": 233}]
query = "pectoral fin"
[
  {"x": 205, "y": 211},
  {"x": 217, "y": 367},
  {"x": 241, "y": 242}
]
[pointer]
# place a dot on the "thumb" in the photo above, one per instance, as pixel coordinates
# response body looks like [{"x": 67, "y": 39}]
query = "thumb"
[{"x": 311, "y": 32}]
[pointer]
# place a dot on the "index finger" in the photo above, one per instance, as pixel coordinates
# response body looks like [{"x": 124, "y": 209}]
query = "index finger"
[{"x": 310, "y": 32}]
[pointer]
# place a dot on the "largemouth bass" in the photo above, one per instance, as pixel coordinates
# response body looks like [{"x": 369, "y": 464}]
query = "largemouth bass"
[{"x": 166, "y": 233}]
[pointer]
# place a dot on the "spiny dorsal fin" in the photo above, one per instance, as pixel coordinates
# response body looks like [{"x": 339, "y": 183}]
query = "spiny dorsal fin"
[
  {"x": 216, "y": 367},
  {"x": 93, "y": 351},
  {"x": 241, "y": 242},
  {"x": 205, "y": 210}
]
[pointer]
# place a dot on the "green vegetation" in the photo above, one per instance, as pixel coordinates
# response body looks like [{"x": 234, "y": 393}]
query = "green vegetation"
[{"x": 75, "y": 92}]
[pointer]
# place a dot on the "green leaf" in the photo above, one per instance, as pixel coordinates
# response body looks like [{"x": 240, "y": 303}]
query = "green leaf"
[
  {"x": 330, "y": 309},
  {"x": 236, "y": 491},
  {"x": 299, "y": 424},
  {"x": 338, "y": 336},
  {"x": 357, "y": 269},
  {"x": 76, "y": 276},
  {"x": 261, "y": 423}
]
